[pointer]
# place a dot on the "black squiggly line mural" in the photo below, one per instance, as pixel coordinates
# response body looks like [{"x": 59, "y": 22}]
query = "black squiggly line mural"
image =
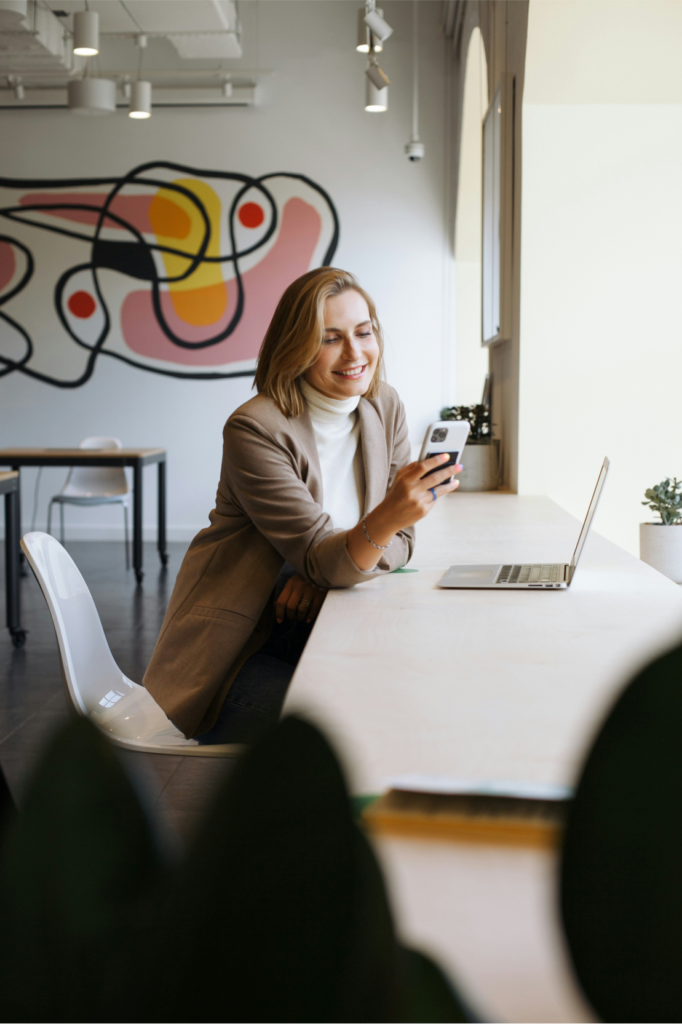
[{"x": 179, "y": 314}]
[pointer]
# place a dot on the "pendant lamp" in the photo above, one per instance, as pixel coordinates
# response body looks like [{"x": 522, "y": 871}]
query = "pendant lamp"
[
  {"x": 140, "y": 100},
  {"x": 12, "y": 13},
  {"x": 92, "y": 96},
  {"x": 376, "y": 100},
  {"x": 86, "y": 33}
]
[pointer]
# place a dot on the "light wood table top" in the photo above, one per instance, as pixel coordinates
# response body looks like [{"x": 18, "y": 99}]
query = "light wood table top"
[
  {"x": 6, "y": 478},
  {"x": 406, "y": 678}
]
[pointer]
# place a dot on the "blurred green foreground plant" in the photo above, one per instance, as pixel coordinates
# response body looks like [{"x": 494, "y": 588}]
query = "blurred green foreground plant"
[
  {"x": 278, "y": 912},
  {"x": 666, "y": 499}
]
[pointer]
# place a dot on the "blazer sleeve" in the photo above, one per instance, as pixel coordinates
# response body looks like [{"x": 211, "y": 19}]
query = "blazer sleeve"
[{"x": 265, "y": 483}]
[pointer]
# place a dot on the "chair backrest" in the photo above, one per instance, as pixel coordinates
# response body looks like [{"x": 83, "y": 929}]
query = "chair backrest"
[
  {"x": 96, "y": 481},
  {"x": 90, "y": 672}
]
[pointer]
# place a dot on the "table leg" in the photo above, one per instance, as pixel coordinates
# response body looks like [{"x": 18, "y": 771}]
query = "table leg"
[
  {"x": 21, "y": 553},
  {"x": 161, "y": 539},
  {"x": 12, "y": 532},
  {"x": 137, "y": 521}
]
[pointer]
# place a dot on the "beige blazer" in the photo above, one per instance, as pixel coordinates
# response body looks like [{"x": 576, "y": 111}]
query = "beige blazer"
[{"x": 268, "y": 511}]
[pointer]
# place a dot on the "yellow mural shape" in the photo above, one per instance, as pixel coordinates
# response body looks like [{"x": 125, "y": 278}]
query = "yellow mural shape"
[{"x": 201, "y": 298}]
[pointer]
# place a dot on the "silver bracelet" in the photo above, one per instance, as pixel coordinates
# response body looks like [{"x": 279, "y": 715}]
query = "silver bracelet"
[{"x": 379, "y": 547}]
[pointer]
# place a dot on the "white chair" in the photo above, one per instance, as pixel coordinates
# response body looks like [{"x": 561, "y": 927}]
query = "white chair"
[
  {"x": 94, "y": 485},
  {"x": 93, "y": 682}
]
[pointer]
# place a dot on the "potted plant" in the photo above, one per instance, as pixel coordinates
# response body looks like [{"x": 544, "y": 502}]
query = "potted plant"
[
  {"x": 481, "y": 459},
  {"x": 659, "y": 547}
]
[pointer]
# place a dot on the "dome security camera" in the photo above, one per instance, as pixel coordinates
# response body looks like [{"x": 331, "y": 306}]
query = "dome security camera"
[{"x": 414, "y": 151}]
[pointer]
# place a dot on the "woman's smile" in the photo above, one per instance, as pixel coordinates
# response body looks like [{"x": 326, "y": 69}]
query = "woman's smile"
[{"x": 350, "y": 352}]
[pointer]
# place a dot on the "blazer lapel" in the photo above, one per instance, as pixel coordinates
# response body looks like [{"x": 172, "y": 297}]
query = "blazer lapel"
[
  {"x": 374, "y": 455},
  {"x": 304, "y": 435}
]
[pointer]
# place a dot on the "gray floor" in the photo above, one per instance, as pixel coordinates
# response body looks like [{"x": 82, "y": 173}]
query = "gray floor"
[{"x": 32, "y": 703}]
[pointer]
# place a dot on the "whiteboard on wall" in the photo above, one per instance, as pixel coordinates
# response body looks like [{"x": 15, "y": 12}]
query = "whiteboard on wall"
[{"x": 498, "y": 171}]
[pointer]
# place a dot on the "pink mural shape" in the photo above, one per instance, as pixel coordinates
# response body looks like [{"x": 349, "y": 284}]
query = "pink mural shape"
[
  {"x": 8, "y": 264},
  {"x": 131, "y": 209},
  {"x": 289, "y": 257}
]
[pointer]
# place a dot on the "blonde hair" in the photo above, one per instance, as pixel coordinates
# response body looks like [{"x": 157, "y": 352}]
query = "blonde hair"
[{"x": 296, "y": 333}]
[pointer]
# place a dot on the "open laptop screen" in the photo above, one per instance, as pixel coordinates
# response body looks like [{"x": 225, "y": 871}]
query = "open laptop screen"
[{"x": 589, "y": 517}]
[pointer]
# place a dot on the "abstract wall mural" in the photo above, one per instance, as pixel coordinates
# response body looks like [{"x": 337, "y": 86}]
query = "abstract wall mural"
[{"x": 170, "y": 269}]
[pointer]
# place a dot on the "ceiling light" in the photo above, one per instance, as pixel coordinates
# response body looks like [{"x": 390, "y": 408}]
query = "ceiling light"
[
  {"x": 367, "y": 41},
  {"x": 19, "y": 91},
  {"x": 377, "y": 77},
  {"x": 227, "y": 88},
  {"x": 381, "y": 29},
  {"x": 92, "y": 96},
  {"x": 86, "y": 33},
  {"x": 140, "y": 100},
  {"x": 12, "y": 12},
  {"x": 376, "y": 100}
]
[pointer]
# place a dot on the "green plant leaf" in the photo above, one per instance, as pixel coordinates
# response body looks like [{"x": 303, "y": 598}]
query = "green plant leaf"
[
  {"x": 280, "y": 904},
  {"x": 429, "y": 994},
  {"x": 621, "y": 884},
  {"x": 76, "y": 869}
]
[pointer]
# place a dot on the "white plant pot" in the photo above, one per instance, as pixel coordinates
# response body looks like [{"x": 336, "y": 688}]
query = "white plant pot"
[
  {"x": 481, "y": 464},
  {"x": 661, "y": 547}
]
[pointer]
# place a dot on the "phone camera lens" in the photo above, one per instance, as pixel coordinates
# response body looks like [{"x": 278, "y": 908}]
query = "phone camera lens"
[{"x": 439, "y": 434}]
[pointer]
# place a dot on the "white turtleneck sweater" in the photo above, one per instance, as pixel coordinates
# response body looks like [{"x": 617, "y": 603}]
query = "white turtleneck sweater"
[{"x": 336, "y": 424}]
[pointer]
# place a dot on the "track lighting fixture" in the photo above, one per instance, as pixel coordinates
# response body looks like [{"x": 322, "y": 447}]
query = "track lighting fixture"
[
  {"x": 227, "y": 88},
  {"x": 414, "y": 150},
  {"x": 381, "y": 28},
  {"x": 86, "y": 33},
  {"x": 377, "y": 77},
  {"x": 16, "y": 84},
  {"x": 376, "y": 100},
  {"x": 367, "y": 41}
]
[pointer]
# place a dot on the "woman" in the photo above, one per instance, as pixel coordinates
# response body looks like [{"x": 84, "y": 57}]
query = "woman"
[{"x": 316, "y": 491}]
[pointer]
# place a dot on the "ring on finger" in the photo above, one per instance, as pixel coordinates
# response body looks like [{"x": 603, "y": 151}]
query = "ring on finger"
[
  {"x": 305, "y": 604},
  {"x": 433, "y": 492}
]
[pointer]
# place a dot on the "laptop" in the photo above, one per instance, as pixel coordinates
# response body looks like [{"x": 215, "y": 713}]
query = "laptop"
[{"x": 527, "y": 576}]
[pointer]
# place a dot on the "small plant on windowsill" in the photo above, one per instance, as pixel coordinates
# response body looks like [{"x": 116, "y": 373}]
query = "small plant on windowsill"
[
  {"x": 481, "y": 457},
  {"x": 663, "y": 548},
  {"x": 478, "y": 418}
]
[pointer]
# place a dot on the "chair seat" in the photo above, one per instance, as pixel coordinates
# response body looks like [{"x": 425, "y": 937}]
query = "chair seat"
[{"x": 94, "y": 684}]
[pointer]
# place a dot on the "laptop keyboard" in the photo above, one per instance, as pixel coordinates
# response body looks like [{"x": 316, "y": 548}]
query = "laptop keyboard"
[{"x": 530, "y": 574}]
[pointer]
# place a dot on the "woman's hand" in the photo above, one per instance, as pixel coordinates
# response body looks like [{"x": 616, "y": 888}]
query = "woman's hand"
[
  {"x": 411, "y": 497},
  {"x": 299, "y": 600}
]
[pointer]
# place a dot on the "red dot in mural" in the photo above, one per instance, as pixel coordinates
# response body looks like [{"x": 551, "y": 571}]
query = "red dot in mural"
[
  {"x": 82, "y": 304},
  {"x": 251, "y": 215}
]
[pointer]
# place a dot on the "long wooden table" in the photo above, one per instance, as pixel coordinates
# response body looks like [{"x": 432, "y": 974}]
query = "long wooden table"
[
  {"x": 9, "y": 487},
  {"x": 406, "y": 678},
  {"x": 137, "y": 458}
]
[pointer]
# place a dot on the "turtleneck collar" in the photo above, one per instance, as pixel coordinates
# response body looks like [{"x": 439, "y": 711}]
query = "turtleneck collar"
[{"x": 336, "y": 406}]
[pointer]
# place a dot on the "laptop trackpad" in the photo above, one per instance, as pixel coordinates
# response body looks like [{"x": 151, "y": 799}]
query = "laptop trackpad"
[{"x": 470, "y": 575}]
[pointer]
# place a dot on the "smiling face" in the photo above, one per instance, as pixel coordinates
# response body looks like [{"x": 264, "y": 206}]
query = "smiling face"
[{"x": 350, "y": 352}]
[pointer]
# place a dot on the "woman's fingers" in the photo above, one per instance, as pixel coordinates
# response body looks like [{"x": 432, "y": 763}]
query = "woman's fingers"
[
  {"x": 440, "y": 477},
  {"x": 318, "y": 598}
]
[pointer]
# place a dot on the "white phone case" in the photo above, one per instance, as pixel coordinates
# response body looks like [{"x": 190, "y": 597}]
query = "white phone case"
[{"x": 445, "y": 436}]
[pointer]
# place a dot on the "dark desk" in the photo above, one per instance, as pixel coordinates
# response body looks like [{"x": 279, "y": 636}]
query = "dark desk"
[
  {"x": 137, "y": 458},
  {"x": 9, "y": 486}
]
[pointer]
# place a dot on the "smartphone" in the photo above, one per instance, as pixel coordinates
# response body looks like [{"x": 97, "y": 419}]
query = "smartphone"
[{"x": 445, "y": 436}]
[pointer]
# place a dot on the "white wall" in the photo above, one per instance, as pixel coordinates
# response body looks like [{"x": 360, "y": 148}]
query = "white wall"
[
  {"x": 310, "y": 119},
  {"x": 601, "y": 263}
]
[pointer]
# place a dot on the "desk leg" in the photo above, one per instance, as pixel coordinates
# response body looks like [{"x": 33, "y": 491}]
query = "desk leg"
[
  {"x": 137, "y": 521},
  {"x": 161, "y": 537},
  {"x": 12, "y": 568},
  {"x": 21, "y": 553}
]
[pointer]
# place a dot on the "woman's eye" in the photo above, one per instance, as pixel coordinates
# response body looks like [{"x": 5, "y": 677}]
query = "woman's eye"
[
  {"x": 365, "y": 334},
  {"x": 329, "y": 340}
]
